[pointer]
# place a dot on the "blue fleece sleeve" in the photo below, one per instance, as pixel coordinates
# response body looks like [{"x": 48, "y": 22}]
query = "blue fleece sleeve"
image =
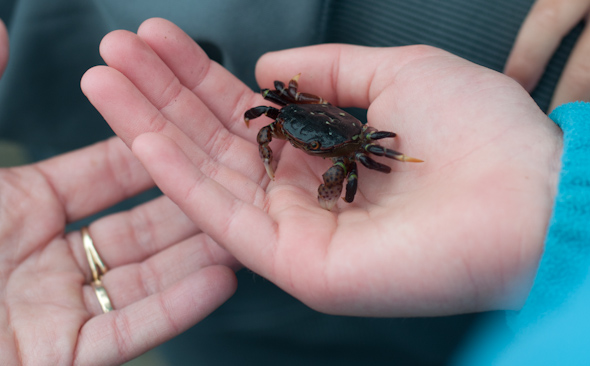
[
  {"x": 566, "y": 259},
  {"x": 553, "y": 326}
]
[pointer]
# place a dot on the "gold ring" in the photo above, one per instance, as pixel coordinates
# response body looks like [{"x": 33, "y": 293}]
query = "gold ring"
[
  {"x": 102, "y": 296},
  {"x": 98, "y": 269}
]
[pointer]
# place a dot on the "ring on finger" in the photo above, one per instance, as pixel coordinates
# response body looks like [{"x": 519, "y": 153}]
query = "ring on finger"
[{"x": 98, "y": 269}]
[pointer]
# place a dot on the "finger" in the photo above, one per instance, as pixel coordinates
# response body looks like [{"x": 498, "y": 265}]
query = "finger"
[
  {"x": 49, "y": 194},
  {"x": 140, "y": 94},
  {"x": 127, "y": 110},
  {"x": 574, "y": 83},
  {"x": 227, "y": 219},
  {"x": 91, "y": 179},
  {"x": 135, "y": 60},
  {"x": 377, "y": 79},
  {"x": 118, "y": 100},
  {"x": 123, "y": 105},
  {"x": 134, "y": 235},
  {"x": 123, "y": 334},
  {"x": 133, "y": 57},
  {"x": 225, "y": 96},
  {"x": 542, "y": 31},
  {"x": 133, "y": 282},
  {"x": 3, "y": 47},
  {"x": 345, "y": 75},
  {"x": 161, "y": 61},
  {"x": 167, "y": 91}
]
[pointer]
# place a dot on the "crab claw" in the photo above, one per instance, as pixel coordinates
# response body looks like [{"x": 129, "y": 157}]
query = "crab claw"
[
  {"x": 407, "y": 159},
  {"x": 392, "y": 154},
  {"x": 327, "y": 201},
  {"x": 330, "y": 190},
  {"x": 269, "y": 170}
]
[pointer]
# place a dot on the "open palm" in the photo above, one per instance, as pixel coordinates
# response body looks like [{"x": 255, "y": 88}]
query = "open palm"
[
  {"x": 160, "y": 282},
  {"x": 163, "y": 274},
  {"x": 461, "y": 232}
]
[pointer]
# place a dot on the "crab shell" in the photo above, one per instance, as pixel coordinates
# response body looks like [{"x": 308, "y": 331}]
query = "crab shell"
[{"x": 321, "y": 129}]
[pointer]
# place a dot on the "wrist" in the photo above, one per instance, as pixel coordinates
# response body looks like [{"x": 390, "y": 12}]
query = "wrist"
[{"x": 566, "y": 257}]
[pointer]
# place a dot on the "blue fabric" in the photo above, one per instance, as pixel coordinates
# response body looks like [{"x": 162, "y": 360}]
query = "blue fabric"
[
  {"x": 561, "y": 338},
  {"x": 566, "y": 259},
  {"x": 553, "y": 326}
]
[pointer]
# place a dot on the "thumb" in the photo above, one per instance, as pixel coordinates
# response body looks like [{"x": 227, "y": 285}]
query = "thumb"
[{"x": 345, "y": 75}]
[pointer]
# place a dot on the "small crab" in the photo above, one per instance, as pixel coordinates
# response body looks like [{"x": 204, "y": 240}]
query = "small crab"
[{"x": 315, "y": 126}]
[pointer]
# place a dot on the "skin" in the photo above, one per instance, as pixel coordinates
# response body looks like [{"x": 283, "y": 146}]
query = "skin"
[
  {"x": 3, "y": 47},
  {"x": 540, "y": 35},
  {"x": 461, "y": 232},
  {"x": 160, "y": 282}
]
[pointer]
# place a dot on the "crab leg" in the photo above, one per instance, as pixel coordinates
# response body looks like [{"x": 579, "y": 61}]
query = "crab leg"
[
  {"x": 275, "y": 97},
  {"x": 388, "y": 153},
  {"x": 330, "y": 190},
  {"x": 265, "y": 134},
  {"x": 256, "y": 112},
  {"x": 372, "y": 164},
  {"x": 302, "y": 98},
  {"x": 282, "y": 95},
  {"x": 377, "y": 135},
  {"x": 264, "y": 137},
  {"x": 352, "y": 183}
]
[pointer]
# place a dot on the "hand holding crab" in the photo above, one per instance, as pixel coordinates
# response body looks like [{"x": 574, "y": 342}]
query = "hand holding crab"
[
  {"x": 315, "y": 126},
  {"x": 461, "y": 233}
]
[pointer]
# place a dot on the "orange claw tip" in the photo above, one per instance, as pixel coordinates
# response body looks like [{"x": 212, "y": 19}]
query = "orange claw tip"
[
  {"x": 407, "y": 159},
  {"x": 247, "y": 121},
  {"x": 410, "y": 159},
  {"x": 296, "y": 77}
]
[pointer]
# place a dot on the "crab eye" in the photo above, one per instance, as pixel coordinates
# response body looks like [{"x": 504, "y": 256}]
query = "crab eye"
[{"x": 314, "y": 145}]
